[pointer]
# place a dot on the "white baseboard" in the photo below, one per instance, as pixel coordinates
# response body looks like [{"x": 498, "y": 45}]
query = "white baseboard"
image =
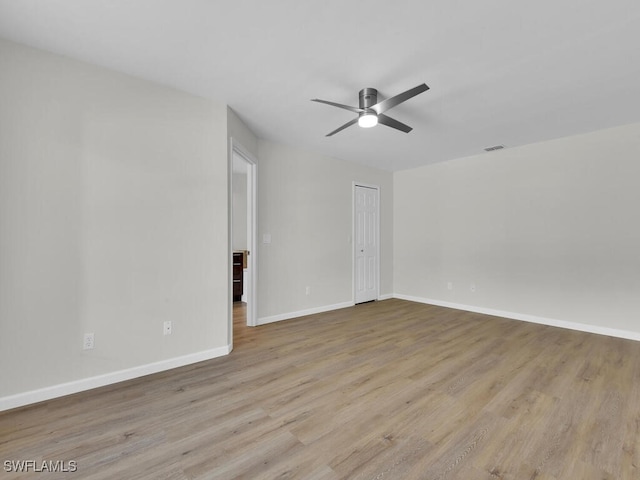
[
  {"x": 54, "y": 391},
  {"x": 582, "y": 327},
  {"x": 386, "y": 296},
  {"x": 302, "y": 313}
]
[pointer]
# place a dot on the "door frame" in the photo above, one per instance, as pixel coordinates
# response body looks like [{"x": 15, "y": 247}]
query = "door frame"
[
  {"x": 236, "y": 148},
  {"x": 353, "y": 236}
]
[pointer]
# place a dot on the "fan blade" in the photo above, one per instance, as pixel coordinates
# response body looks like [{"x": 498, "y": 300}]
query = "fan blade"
[
  {"x": 348, "y": 124},
  {"x": 393, "y": 123},
  {"x": 339, "y": 105},
  {"x": 385, "y": 105}
]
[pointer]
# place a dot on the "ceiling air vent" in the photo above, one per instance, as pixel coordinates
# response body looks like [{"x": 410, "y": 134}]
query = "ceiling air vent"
[{"x": 495, "y": 147}]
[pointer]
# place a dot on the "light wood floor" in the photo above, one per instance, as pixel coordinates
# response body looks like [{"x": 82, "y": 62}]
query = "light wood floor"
[{"x": 385, "y": 390}]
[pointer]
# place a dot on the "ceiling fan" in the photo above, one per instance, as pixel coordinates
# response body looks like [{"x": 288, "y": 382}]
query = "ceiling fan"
[{"x": 371, "y": 112}]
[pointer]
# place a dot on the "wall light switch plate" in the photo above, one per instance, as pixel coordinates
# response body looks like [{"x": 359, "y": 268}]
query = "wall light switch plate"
[{"x": 167, "y": 328}]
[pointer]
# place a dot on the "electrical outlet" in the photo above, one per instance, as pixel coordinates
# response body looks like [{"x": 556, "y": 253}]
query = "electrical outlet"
[
  {"x": 449, "y": 285},
  {"x": 166, "y": 329},
  {"x": 88, "y": 341}
]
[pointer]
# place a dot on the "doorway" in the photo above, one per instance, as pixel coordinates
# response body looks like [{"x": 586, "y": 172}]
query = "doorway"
[
  {"x": 243, "y": 245},
  {"x": 366, "y": 243}
]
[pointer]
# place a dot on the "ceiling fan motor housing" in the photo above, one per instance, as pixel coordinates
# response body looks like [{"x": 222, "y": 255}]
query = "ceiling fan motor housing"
[{"x": 368, "y": 97}]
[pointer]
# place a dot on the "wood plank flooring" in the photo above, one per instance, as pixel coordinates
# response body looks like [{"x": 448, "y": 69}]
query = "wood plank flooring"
[{"x": 384, "y": 390}]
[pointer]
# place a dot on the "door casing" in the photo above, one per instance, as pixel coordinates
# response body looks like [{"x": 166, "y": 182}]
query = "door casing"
[{"x": 252, "y": 264}]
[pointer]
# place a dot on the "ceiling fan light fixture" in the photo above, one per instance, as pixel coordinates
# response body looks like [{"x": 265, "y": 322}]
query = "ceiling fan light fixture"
[{"x": 368, "y": 119}]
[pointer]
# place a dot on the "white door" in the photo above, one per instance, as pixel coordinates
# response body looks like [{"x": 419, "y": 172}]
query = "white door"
[{"x": 366, "y": 243}]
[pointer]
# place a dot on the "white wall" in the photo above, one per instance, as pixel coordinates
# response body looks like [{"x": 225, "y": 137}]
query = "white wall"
[
  {"x": 113, "y": 219},
  {"x": 240, "y": 133},
  {"x": 305, "y": 204},
  {"x": 248, "y": 142},
  {"x": 548, "y": 230}
]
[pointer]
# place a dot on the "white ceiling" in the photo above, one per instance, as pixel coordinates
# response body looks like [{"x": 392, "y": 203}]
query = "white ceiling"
[{"x": 500, "y": 71}]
